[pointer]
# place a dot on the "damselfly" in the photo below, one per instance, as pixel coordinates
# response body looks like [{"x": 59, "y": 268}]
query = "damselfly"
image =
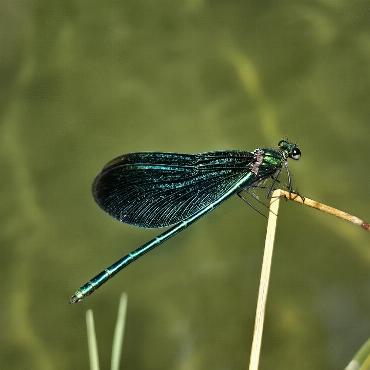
[{"x": 163, "y": 189}]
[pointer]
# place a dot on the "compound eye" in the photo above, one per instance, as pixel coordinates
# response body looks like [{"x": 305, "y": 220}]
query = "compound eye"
[{"x": 296, "y": 154}]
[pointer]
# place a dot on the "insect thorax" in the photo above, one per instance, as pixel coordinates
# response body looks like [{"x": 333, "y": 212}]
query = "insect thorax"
[{"x": 266, "y": 161}]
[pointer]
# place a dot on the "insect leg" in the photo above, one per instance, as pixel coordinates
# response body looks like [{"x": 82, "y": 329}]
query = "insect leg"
[{"x": 241, "y": 196}]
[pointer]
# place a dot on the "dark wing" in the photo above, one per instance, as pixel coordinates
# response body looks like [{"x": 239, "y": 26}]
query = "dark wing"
[{"x": 160, "y": 189}]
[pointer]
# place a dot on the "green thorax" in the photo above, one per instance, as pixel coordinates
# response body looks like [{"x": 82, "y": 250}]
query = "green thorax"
[{"x": 273, "y": 161}]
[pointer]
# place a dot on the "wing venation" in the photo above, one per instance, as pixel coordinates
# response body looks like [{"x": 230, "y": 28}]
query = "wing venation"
[{"x": 161, "y": 189}]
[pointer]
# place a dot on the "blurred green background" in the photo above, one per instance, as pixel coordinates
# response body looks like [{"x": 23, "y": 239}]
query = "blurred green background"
[{"x": 84, "y": 81}]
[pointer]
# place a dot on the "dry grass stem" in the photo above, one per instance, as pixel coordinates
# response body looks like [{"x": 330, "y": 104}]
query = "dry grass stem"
[
  {"x": 267, "y": 259},
  {"x": 264, "y": 283},
  {"x": 324, "y": 208}
]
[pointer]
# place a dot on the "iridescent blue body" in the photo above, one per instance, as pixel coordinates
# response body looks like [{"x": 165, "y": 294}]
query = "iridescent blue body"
[{"x": 163, "y": 189}]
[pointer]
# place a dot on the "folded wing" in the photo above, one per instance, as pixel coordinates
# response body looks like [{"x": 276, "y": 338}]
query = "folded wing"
[{"x": 160, "y": 189}]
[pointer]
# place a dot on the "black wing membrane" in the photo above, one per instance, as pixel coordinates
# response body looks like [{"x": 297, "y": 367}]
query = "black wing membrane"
[{"x": 160, "y": 189}]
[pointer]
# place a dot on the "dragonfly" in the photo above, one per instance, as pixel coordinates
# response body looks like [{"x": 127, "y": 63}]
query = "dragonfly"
[{"x": 154, "y": 189}]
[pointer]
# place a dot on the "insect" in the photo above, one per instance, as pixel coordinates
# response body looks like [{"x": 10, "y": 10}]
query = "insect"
[{"x": 161, "y": 189}]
